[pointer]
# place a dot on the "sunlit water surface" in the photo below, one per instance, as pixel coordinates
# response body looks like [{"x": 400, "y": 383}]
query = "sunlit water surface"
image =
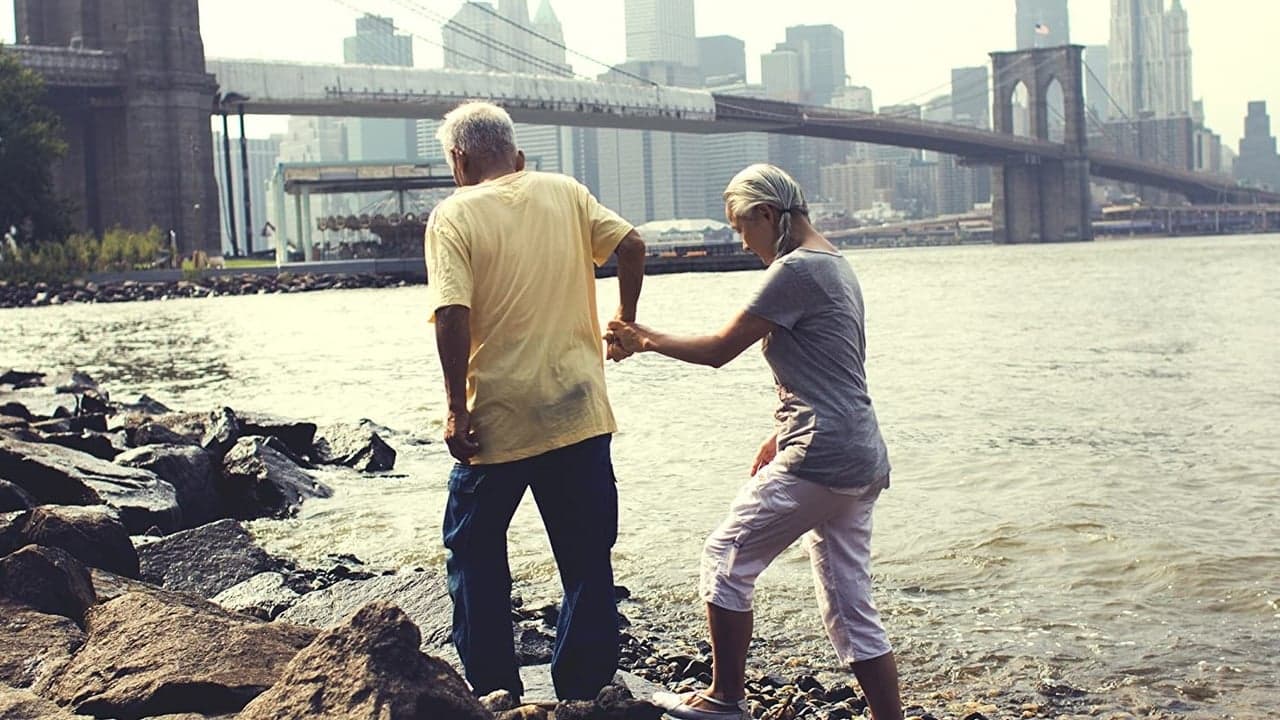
[{"x": 1084, "y": 440}]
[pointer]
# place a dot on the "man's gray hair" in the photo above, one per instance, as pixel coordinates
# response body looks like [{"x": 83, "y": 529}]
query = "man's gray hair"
[
  {"x": 764, "y": 184},
  {"x": 479, "y": 129}
]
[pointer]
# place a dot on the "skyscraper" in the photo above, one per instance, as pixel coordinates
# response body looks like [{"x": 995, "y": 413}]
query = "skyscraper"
[
  {"x": 1258, "y": 163},
  {"x": 723, "y": 58},
  {"x": 1138, "y": 75},
  {"x": 376, "y": 43},
  {"x": 822, "y": 68},
  {"x": 478, "y": 37},
  {"x": 1177, "y": 32},
  {"x": 971, "y": 97},
  {"x": 661, "y": 30},
  {"x": 1042, "y": 23}
]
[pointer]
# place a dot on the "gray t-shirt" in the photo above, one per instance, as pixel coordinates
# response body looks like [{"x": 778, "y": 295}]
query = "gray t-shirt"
[{"x": 827, "y": 429}]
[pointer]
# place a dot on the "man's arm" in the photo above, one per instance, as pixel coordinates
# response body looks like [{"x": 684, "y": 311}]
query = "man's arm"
[
  {"x": 453, "y": 342},
  {"x": 631, "y": 254}
]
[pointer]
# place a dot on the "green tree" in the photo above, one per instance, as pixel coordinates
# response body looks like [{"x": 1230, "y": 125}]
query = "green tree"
[{"x": 30, "y": 142}]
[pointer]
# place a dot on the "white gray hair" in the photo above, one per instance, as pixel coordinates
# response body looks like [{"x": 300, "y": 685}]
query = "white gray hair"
[
  {"x": 479, "y": 129},
  {"x": 764, "y": 184}
]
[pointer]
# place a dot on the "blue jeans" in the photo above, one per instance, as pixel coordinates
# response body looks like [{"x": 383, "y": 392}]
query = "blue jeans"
[{"x": 576, "y": 495}]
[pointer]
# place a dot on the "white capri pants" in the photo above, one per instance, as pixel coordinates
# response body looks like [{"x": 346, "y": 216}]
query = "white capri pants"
[{"x": 770, "y": 512}]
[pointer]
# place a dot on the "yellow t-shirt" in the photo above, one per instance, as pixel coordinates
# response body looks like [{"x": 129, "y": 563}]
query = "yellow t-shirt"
[{"x": 518, "y": 251}]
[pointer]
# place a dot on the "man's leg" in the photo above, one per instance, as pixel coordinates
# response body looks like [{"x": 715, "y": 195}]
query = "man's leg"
[
  {"x": 578, "y": 500},
  {"x": 482, "y": 500}
]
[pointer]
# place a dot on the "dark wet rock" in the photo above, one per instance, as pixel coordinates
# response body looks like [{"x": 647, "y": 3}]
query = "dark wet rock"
[
  {"x": 16, "y": 704},
  {"x": 205, "y": 560},
  {"x": 93, "y": 403},
  {"x": 76, "y": 382},
  {"x": 13, "y": 498},
  {"x": 423, "y": 595},
  {"x": 222, "y": 430},
  {"x": 16, "y": 410},
  {"x": 258, "y": 481},
  {"x": 533, "y": 646},
  {"x": 13, "y": 527},
  {"x": 368, "y": 667},
  {"x": 47, "y": 579},
  {"x": 72, "y": 424},
  {"x": 92, "y": 535},
  {"x": 182, "y": 655},
  {"x": 263, "y": 596},
  {"x": 357, "y": 446},
  {"x": 19, "y": 379},
  {"x": 145, "y": 405},
  {"x": 57, "y": 475},
  {"x": 156, "y": 434},
  {"x": 299, "y": 437},
  {"x": 36, "y": 646},
  {"x": 190, "y": 470},
  {"x": 188, "y": 426},
  {"x": 98, "y": 444}
]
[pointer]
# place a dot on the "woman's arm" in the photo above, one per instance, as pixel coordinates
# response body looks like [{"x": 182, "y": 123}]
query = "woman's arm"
[{"x": 714, "y": 350}]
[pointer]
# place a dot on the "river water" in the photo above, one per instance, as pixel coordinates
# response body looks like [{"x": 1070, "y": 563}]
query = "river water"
[{"x": 1086, "y": 458}]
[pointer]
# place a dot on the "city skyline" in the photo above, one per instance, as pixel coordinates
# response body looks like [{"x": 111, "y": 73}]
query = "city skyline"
[{"x": 1229, "y": 38}]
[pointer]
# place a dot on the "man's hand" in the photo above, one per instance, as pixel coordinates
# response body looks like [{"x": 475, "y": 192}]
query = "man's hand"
[
  {"x": 613, "y": 349},
  {"x": 630, "y": 337},
  {"x": 768, "y": 451},
  {"x": 460, "y": 437}
]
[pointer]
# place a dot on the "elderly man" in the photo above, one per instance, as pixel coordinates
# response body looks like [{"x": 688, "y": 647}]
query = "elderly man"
[{"x": 510, "y": 260}]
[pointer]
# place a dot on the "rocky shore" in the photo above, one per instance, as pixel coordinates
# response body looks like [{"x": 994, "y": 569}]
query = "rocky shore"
[
  {"x": 130, "y": 587},
  {"x": 14, "y": 295}
]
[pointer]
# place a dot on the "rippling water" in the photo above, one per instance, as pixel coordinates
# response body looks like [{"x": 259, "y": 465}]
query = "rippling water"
[{"x": 1084, "y": 437}]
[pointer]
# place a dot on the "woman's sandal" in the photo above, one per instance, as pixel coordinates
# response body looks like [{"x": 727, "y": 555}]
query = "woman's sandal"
[{"x": 677, "y": 706}]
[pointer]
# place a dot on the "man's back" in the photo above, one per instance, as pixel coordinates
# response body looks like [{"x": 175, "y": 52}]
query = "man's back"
[{"x": 518, "y": 250}]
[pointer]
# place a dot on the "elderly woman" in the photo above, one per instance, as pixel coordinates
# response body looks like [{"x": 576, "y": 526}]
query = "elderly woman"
[{"x": 818, "y": 476}]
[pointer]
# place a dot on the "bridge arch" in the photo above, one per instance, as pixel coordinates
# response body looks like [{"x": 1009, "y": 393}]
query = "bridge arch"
[{"x": 1039, "y": 199}]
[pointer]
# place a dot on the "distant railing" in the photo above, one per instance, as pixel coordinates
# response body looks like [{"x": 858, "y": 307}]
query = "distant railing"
[{"x": 69, "y": 67}]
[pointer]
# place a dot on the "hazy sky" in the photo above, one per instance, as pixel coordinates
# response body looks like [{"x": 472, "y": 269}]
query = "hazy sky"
[{"x": 902, "y": 49}]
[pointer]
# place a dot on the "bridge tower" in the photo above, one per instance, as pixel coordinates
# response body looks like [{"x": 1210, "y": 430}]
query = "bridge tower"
[
  {"x": 1038, "y": 199},
  {"x": 140, "y": 154}
]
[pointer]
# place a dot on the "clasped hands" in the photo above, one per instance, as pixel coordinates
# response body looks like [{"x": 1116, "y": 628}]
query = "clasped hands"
[{"x": 624, "y": 339}]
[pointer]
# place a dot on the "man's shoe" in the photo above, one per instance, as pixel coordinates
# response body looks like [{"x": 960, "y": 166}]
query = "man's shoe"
[{"x": 677, "y": 706}]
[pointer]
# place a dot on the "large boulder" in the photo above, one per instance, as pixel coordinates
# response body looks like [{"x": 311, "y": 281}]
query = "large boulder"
[
  {"x": 103, "y": 446},
  {"x": 423, "y": 595},
  {"x": 355, "y": 446},
  {"x": 368, "y": 667},
  {"x": 92, "y": 535},
  {"x": 36, "y": 645},
  {"x": 259, "y": 481},
  {"x": 13, "y": 498},
  {"x": 299, "y": 437},
  {"x": 47, "y": 579},
  {"x": 263, "y": 596},
  {"x": 205, "y": 560},
  {"x": 153, "y": 433},
  {"x": 148, "y": 656},
  {"x": 60, "y": 476},
  {"x": 18, "y": 704},
  {"x": 190, "y": 470},
  {"x": 221, "y": 431}
]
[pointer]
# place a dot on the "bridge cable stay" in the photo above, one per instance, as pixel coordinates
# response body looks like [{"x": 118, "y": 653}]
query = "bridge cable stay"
[
  {"x": 533, "y": 32},
  {"x": 492, "y": 43},
  {"x": 427, "y": 40},
  {"x": 474, "y": 35}
]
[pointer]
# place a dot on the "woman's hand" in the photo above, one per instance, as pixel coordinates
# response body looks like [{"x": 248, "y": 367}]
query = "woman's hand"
[
  {"x": 768, "y": 451},
  {"x": 631, "y": 337}
]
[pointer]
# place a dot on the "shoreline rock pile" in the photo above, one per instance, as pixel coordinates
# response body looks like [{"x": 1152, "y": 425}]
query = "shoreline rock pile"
[{"x": 15, "y": 295}]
